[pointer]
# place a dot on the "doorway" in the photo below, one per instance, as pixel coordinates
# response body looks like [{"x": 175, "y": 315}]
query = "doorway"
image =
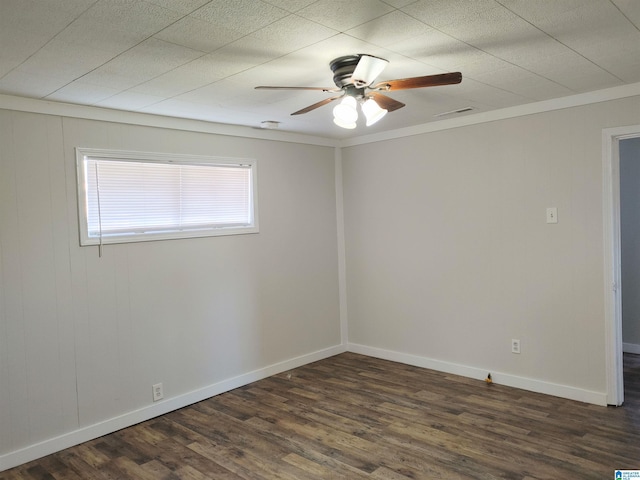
[
  {"x": 630, "y": 242},
  {"x": 612, "y": 139}
]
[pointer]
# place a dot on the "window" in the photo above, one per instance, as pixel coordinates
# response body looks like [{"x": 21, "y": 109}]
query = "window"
[{"x": 135, "y": 196}]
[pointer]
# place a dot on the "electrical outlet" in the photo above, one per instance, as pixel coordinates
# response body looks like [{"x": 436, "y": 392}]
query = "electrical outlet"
[
  {"x": 158, "y": 394},
  {"x": 515, "y": 345}
]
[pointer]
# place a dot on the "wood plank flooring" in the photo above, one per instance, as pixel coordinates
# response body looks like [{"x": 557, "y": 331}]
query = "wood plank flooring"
[{"x": 355, "y": 417}]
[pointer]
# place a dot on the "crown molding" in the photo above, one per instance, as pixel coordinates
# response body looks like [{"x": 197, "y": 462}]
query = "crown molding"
[
  {"x": 47, "y": 107},
  {"x": 33, "y": 105},
  {"x": 581, "y": 99}
]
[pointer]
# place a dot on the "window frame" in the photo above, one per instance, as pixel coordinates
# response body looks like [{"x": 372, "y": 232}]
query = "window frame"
[{"x": 83, "y": 153}]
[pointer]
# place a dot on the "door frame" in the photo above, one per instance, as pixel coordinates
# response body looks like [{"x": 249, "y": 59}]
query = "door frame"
[{"x": 612, "y": 260}]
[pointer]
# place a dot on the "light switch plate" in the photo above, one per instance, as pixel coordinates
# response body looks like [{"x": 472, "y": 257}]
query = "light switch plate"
[{"x": 552, "y": 215}]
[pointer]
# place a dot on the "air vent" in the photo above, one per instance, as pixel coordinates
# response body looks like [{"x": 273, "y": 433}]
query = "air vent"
[
  {"x": 270, "y": 124},
  {"x": 454, "y": 112}
]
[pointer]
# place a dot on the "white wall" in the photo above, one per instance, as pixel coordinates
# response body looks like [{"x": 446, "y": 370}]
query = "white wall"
[
  {"x": 83, "y": 338},
  {"x": 449, "y": 257},
  {"x": 630, "y": 240}
]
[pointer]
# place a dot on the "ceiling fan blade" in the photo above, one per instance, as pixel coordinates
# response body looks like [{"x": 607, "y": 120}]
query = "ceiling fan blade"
[
  {"x": 420, "y": 82},
  {"x": 367, "y": 70},
  {"x": 388, "y": 103},
  {"x": 321, "y": 89},
  {"x": 316, "y": 105}
]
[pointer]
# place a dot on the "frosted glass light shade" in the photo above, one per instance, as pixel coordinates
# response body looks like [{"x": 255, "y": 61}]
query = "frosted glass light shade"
[
  {"x": 346, "y": 111},
  {"x": 372, "y": 111},
  {"x": 340, "y": 123}
]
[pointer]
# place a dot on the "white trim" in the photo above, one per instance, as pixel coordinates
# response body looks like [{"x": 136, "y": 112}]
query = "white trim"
[
  {"x": 604, "y": 95},
  {"x": 533, "y": 385},
  {"x": 10, "y": 102},
  {"x": 631, "y": 348},
  {"x": 612, "y": 277},
  {"x": 33, "y": 105},
  {"x": 342, "y": 268},
  {"x": 612, "y": 270},
  {"x": 52, "y": 445}
]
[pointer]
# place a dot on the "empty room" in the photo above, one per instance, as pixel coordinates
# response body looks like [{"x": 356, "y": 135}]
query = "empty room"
[{"x": 319, "y": 239}]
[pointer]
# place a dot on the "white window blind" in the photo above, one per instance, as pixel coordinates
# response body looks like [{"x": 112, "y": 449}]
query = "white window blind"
[{"x": 132, "y": 196}]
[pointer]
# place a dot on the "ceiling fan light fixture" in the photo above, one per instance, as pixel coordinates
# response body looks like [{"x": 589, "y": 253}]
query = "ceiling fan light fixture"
[
  {"x": 372, "y": 111},
  {"x": 367, "y": 70},
  {"x": 354, "y": 76},
  {"x": 346, "y": 111}
]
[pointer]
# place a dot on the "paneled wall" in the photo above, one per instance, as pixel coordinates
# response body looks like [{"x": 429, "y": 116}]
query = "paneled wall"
[
  {"x": 449, "y": 256},
  {"x": 83, "y": 337}
]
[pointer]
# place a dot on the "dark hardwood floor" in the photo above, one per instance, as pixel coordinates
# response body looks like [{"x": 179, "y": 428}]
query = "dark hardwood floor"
[{"x": 356, "y": 417}]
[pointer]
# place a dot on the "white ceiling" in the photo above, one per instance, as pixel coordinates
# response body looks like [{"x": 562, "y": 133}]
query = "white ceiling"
[{"x": 202, "y": 59}]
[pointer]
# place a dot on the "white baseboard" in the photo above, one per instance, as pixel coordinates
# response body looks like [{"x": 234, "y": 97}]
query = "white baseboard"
[
  {"x": 631, "y": 348},
  {"x": 52, "y": 445},
  {"x": 532, "y": 385}
]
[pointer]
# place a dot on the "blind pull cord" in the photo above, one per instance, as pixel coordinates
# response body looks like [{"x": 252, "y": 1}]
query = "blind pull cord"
[{"x": 99, "y": 212}]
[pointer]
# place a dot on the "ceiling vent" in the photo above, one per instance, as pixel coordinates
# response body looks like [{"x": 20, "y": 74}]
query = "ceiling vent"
[
  {"x": 454, "y": 112},
  {"x": 270, "y": 124}
]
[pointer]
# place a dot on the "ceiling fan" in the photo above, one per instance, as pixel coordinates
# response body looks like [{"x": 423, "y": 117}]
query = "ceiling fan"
[{"x": 354, "y": 76}]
